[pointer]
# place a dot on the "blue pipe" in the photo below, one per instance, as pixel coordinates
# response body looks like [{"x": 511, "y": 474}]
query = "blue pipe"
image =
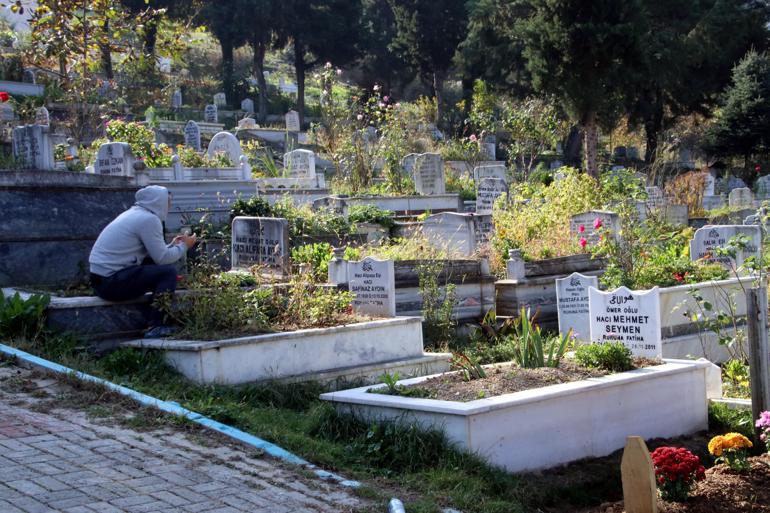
[{"x": 175, "y": 409}]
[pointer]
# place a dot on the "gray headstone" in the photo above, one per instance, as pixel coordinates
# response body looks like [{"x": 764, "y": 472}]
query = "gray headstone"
[
  {"x": 220, "y": 100},
  {"x": 32, "y": 147},
  {"x": 655, "y": 198},
  {"x": 489, "y": 189},
  {"x": 192, "y": 135},
  {"x": 632, "y": 152},
  {"x": 29, "y": 77},
  {"x": 451, "y": 232},
  {"x": 572, "y": 304},
  {"x": 164, "y": 64},
  {"x": 592, "y": 222},
  {"x": 211, "y": 114},
  {"x": 114, "y": 159},
  {"x": 262, "y": 242},
  {"x": 632, "y": 318},
  {"x": 490, "y": 171},
  {"x": 292, "y": 121},
  {"x": 176, "y": 99},
  {"x": 299, "y": 164},
  {"x": 708, "y": 239},
  {"x": 248, "y": 105},
  {"x": 408, "y": 163},
  {"x": 42, "y": 117},
  {"x": 762, "y": 187},
  {"x": 740, "y": 197},
  {"x": 225, "y": 142},
  {"x": 429, "y": 174},
  {"x": 711, "y": 182},
  {"x": 483, "y": 228},
  {"x": 713, "y": 202},
  {"x": 373, "y": 285},
  {"x": 6, "y": 112}
]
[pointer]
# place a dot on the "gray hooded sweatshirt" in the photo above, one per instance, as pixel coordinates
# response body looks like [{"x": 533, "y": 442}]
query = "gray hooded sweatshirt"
[{"x": 134, "y": 234}]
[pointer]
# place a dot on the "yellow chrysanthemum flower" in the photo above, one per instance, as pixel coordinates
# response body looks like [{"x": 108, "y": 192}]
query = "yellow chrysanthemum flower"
[
  {"x": 716, "y": 445},
  {"x": 736, "y": 441}
]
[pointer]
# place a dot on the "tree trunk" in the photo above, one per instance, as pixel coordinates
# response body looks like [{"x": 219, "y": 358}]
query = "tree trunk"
[
  {"x": 438, "y": 91},
  {"x": 299, "y": 69},
  {"x": 652, "y": 127},
  {"x": 467, "y": 85},
  {"x": 590, "y": 139},
  {"x": 150, "y": 37},
  {"x": 259, "y": 70},
  {"x": 227, "y": 68},
  {"x": 106, "y": 52}
]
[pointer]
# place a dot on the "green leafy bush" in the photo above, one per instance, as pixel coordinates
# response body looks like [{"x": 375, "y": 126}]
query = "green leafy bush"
[
  {"x": 142, "y": 142},
  {"x": 317, "y": 255},
  {"x": 613, "y": 356},
  {"x": 22, "y": 317},
  {"x": 532, "y": 348},
  {"x": 371, "y": 214}
]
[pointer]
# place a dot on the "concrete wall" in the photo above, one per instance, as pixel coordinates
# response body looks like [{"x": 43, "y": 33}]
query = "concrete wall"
[{"x": 50, "y": 220}]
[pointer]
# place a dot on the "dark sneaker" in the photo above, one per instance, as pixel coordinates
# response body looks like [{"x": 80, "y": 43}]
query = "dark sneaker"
[{"x": 160, "y": 332}]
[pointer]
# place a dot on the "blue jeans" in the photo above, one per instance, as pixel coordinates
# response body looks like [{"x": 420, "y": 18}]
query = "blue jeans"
[{"x": 132, "y": 282}]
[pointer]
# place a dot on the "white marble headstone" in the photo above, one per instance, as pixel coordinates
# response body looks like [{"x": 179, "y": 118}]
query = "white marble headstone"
[
  {"x": 490, "y": 171},
  {"x": 429, "y": 174},
  {"x": 32, "y": 147},
  {"x": 192, "y": 135},
  {"x": 572, "y": 304},
  {"x": 373, "y": 284},
  {"x": 211, "y": 113},
  {"x": 42, "y": 117},
  {"x": 593, "y": 221},
  {"x": 489, "y": 189},
  {"x": 176, "y": 99},
  {"x": 6, "y": 112},
  {"x": 762, "y": 187},
  {"x": 451, "y": 232},
  {"x": 114, "y": 159},
  {"x": 260, "y": 241},
  {"x": 220, "y": 100},
  {"x": 654, "y": 197},
  {"x": 626, "y": 316},
  {"x": 740, "y": 197},
  {"x": 711, "y": 182},
  {"x": 292, "y": 121},
  {"x": 408, "y": 163},
  {"x": 225, "y": 142},
  {"x": 713, "y": 202},
  {"x": 708, "y": 239},
  {"x": 248, "y": 105},
  {"x": 299, "y": 164}
]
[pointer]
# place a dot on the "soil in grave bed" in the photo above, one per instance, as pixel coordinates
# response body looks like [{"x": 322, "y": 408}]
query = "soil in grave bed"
[
  {"x": 723, "y": 491},
  {"x": 501, "y": 379}
]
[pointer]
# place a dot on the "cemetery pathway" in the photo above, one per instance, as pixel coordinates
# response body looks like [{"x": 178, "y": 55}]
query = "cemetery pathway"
[{"x": 56, "y": 457}]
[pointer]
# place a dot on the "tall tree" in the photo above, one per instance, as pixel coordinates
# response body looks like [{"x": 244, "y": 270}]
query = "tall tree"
[
  {"x": 578, "y": 51},
  {"x": 742, "y": 125},
  {"x": 319, "y": 31},
  {"x": 227, "y": 22},
  {"x": 261, "y": 35},
  {"x": 688, "y": 52},
  {"x": 158, "y": 9},
  {"x": 428, "y": 33}
]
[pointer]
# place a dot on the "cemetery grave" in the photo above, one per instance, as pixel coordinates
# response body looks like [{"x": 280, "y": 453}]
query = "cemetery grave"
[{"x": 468, "y": 284}]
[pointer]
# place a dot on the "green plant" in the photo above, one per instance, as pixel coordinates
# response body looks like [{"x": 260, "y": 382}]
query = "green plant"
[
  {"x": 142, "y": 142},
  {"x": 534, "y": 349},
  {"x": 613, "y": 356},
  {"x": 22, "y": 318},
  {"x": 469, "y": 366},
  {"x": 735, "y": 374},
  {"x": 371, "y": 214},
  {"x": 437, "y": 307},
  {"x": 317, "y": 255}
]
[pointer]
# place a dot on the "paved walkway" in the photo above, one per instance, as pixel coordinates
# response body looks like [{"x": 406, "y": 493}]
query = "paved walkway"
[{"x": 60, "y": 460}]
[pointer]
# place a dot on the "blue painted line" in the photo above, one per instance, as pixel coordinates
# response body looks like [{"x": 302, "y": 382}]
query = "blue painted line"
[{"x": 175, "y": 409}]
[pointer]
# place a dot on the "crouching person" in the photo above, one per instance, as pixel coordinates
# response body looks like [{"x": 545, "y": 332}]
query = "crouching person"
[{"x": 131, "y": 257}]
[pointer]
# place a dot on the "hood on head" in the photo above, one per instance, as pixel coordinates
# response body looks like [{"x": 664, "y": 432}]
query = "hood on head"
[{"x": 155, "y": 199}]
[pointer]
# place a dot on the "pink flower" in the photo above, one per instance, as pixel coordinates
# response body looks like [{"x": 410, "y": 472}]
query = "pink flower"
[
  {"x": 583, "y": 242},
  {"x": 328, "y": 65},
  {"x": 581, "y": 228},
  {"x": 386, "y": 98},
  {"x": 381, "y": 105},
  {"x": 376, "y": 87},
  {"x": 473, "y": 138},
  {"x": 597, "y": 223}
]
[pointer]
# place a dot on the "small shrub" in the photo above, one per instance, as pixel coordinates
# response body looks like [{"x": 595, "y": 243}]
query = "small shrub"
[
  {"x": 22, "y": 317},
  {"x": 371, "y": 214},
  {"x": 317, "y": 255},
  {"x": 613, "y": 356},
  {"x": 438, "y": 326},
  {"x": 676, "y": 470},
  {"x": 531, "y": 348}
]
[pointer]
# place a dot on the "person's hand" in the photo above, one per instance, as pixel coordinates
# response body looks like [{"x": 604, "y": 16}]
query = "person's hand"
[{"x": 189, "y": 240}]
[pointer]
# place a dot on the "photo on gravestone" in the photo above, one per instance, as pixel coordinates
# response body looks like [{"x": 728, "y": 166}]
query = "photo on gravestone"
[
  {"x": 572, "y": 304},
  {"x": 261, "y": 242},
  {"x": 729, "y": 245},
  {"x": 373, "y": 285},
  {"x": 630, "y": 317},
  {"x": 487, "y": 193},
  {"x": 429, "y": 174}
]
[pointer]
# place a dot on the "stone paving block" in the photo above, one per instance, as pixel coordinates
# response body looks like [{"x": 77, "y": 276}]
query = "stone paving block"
[
  {"x": 51, "y": 483},
  {"x": 7, "y": 507},
  {"x": 169, "y": 497},
  {"x": 27, "y": 487},
  {"x": 30, "y": 505},
  {"x": 103, "y": 507}
]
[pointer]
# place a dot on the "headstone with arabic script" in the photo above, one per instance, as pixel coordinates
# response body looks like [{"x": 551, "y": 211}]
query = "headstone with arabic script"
[
  {"x": 373, "y": 285},
  {"x": 572, "y": 304},
  {"x": 629, "y": 317}
]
